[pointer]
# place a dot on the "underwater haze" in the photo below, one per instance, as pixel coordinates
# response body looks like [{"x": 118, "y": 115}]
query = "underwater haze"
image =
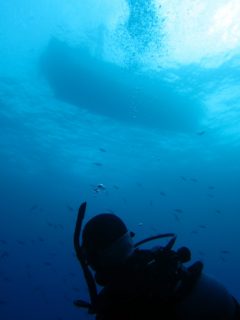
[{"x": 130, "y": 105}]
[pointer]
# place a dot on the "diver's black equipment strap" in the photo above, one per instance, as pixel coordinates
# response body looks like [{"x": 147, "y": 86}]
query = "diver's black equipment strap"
[{"x": 87, "y": 274}]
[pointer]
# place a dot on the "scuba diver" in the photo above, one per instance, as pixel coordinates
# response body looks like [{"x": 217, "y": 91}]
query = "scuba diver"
[{"x": 144, "y": 283}]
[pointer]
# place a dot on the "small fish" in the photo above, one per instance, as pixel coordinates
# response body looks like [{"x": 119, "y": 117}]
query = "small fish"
[
  {"x": 162, "y": 193},
  {"x": 100, "y": 187},
  {"x": 225, "y": 251},
  {"x": 102, "y": 150},
  {"x": 194, "y": 180},
  {"x": 29, "y": 275},
  {"x": 7, "y": 279},
  {"x": 154, "y": 229},
  {"x": 194, "y": 232},
  {"x": 211, "y": 187},
  {"x": 140, "y": 224},
  {"x": 201, "y": 133},
  {"x": 98, "y": 164},
  {"x": 21, "y": 242},
  {"x": 183, "y": 178},
  {"x": 124, "y": 200},
  {"x": 218, "y": 211},
  {"x": 66, "y": 297},
  {"x": 203, "y": 226},
  {"x": 210, "y": 195},
  {"x": 36, "y": 289},
  {"x": 176, "y": 217},
  {"x": 50, "y": 224},
  {"x": 70, "y": 208},
  {"x": 3, "y": 241},
  {"x": 116, "y": 187},
  {"x": 34, "y": 207},
  {"x": 178, "y": 210},
  {"x": 5, "y": 254}
]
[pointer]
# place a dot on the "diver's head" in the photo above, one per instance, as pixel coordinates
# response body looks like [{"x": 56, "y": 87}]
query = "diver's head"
[{"x": 106, "y": 242}]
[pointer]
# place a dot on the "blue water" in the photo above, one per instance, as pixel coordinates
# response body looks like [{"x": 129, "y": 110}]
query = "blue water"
[{"x": 140, "y": 96}]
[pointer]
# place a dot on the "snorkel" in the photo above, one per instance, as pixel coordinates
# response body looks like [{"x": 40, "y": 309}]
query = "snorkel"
[
  {"x": 117, "y": 247},
  {"x": 86, "y": 271}
]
